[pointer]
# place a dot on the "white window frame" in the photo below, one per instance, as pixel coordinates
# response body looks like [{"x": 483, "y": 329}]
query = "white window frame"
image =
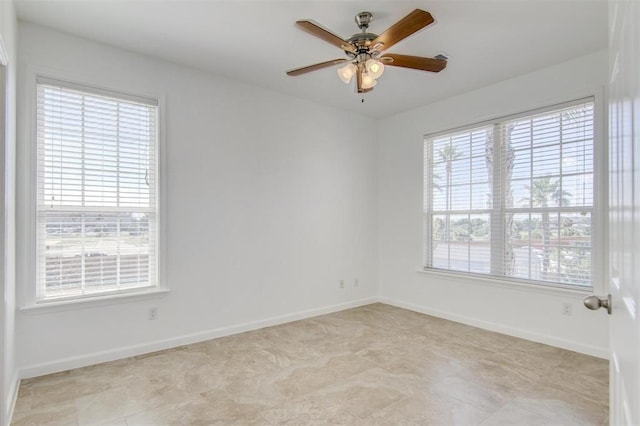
[
  {"x": 28, "y": 266},
  {"x": 599, "y": 224}
]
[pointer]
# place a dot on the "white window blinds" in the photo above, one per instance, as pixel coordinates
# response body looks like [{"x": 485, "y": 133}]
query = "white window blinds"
[
  {"x": 96, "y": 191},
  {"x": 459, "y": 200},
  {"x": 514, "y": 198}
]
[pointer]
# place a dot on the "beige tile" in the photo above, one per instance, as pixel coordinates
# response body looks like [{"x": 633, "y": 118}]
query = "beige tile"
[
  {"x": 374, "y": 365},
  {"x": 510, "y": 415},
  {"x": 512, "y": 376},
  {"x": 533, "y": 356},
  {"x": 112, "y": 373},
  {"x": 23, "y": 402},
  {"x": 244, "y": 357},
  {"x": 123, "y": 401},
  {"x": 62, "y": 414},
  {"x": 596, "y": 368},
  {"x": 428, "y": 367},
  {"x": 160, "y": 364},
  {"x": 346, "y": 403},
  {"x": 382, "y": 351},
  {"x": 114, "y": 422},
  {"x": 486, "y": 339},
  {"x": 308, "y": 413},
  {"x": 460, "y": 351},
  {"x": 478, "y": 394},
  {"x": 107, "y": 406},
  {"x": 380, "y": 378},
  {"x": 562, "y": 403},
  {"x": 173, "y": 414},
  {"x": 310, "y": 377},
  {"x": 561, "y": 411},
  {"x": 196, "y": 380},
  {"x": 298, "y": 331},
  {"x": 574, "y": 382},
  {"x": 428, "y": 408},
  {"x": 57, "y": 392},
  {"x": 257, "y": 391},
  {"x": 229, "y": 407},
  {"x": 198, "y": 411}
]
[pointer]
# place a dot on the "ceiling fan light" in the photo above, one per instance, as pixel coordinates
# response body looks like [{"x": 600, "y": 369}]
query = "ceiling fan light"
[
  {"x": 367, "y": 81},
  {"x": 346, "y": 73},
  {"x": 374, "y": 67}
]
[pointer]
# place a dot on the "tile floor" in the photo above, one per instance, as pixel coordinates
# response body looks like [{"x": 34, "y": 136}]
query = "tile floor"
[{"x": 374, "y": 365}]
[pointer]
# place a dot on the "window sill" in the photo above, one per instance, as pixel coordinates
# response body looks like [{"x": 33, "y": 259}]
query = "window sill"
[
  {"x": 90, "y": 302},
  {"x": 505, "y": 283}
]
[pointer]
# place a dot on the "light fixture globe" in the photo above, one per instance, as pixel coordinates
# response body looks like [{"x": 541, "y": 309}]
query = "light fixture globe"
[
  {"x": 346, "y": 73},
  {"x": 367, "y": 81},
  {"x": 374, "y": 68}
]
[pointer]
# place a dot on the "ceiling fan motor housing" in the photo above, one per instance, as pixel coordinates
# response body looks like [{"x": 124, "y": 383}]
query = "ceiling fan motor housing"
[{"x": 362, "y": 41}]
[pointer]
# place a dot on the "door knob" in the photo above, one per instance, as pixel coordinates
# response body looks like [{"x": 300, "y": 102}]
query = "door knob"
[{"x": 594, "y": 302}]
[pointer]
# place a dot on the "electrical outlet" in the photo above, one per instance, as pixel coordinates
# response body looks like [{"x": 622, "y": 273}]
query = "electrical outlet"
[
  {"x": 341, "y": 285},
  {"x": 153, "y": 313},
  {"x": 356, "y": 283},
  {"x": 567, "y": 309}
]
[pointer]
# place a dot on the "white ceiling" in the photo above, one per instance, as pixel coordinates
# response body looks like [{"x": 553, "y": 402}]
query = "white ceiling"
[{"x": 257, "y": 41}]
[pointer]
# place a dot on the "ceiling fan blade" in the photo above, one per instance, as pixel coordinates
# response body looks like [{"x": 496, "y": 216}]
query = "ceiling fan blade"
[
  {"x": 415, "y": 21},
  {"x": 309, "y": 68},
  {"x": 415, "y": 62},
  {"x": 315, "y": 29},
  {"x": 359, "y": 88}
]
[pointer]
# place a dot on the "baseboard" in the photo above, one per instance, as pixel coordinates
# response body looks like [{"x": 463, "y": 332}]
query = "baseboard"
[
  {"x": 12, "y": 397},
  {"x": 499, "y": 328},
  {"x": 128, "y": 351}
]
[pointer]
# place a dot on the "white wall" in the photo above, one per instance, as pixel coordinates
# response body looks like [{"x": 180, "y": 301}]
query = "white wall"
[
  {"x": 525, "y": 312},
  {"x": 8, "y": 370},
  {"x": 270, "y": 200}
]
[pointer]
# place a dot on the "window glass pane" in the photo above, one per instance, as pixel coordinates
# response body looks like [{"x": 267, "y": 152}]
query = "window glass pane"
[
  {"x": 460, "y": 148},
  {"x": 479, "y": 170},
  {"x": 459, "y": 256},
  {"x": 440, "y": 252},
  {"x": 521, "y": 164},
  {"x": 480, "y": 196},
  {"x": 577, "y": 158},
  {"x": 460, "y": 171},
  {"x": 460, "y": 197},
  {"x": 480, "y": 257},
  {"x": 521, "y": 189},
  {"x": 439, "y": 198},
  {"x": 438, "y": 228},
  {"x": 480, "y": 244},
  {"x": 546, "y": 161},
  {"x": 519, "y": 134}
]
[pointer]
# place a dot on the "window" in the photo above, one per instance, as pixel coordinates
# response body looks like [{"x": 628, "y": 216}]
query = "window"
[
  {"x": 514, "y": 198},
  {"x": 96, "y": 192}
]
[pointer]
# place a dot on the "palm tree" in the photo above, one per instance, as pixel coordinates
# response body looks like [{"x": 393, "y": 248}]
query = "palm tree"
[
  {"x": 447, "y": 155},
  {"x": 508, "y": 160},
  {"x": 542, "y": 192}
]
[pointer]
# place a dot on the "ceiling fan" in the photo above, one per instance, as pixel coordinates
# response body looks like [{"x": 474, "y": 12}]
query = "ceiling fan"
[{"x": 366, "y": 60}]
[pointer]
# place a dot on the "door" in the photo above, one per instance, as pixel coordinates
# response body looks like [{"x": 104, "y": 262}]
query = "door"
[
  {"x": 624, "y": 216},
  {"x": 3, "y": 243}
]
